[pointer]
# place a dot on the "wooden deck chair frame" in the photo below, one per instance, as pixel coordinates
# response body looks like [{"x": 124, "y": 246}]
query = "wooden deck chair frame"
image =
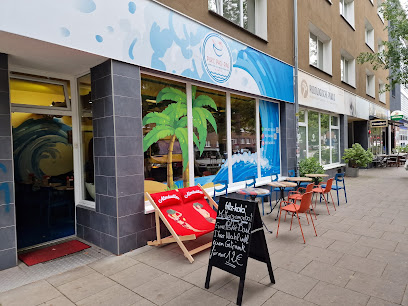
[{"x": 174, "y": 237}]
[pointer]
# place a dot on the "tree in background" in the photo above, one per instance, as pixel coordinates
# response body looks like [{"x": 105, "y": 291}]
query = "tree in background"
[{"x": 394, "y": 56}]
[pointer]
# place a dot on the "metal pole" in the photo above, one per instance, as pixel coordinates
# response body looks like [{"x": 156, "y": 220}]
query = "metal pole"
[{"x": 295, "y": 82}]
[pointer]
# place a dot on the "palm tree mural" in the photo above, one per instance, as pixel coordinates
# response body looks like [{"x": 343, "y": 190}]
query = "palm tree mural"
[{"x": 172, "y": 122}]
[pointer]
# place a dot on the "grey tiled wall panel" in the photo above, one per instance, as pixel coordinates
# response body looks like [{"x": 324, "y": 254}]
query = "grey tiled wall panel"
[{"x": 8, "y": 243}]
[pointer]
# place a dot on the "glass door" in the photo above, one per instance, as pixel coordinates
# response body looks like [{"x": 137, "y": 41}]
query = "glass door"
[{"x": 43, "y": 174}]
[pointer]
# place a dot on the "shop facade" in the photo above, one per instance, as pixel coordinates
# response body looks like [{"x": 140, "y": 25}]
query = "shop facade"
[
  {"x": 331, "y": 119},
  {"x": 145, "y": 99}
]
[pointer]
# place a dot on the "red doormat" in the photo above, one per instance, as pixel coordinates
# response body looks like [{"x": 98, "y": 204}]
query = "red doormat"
[{"x": 52, "y": 252}]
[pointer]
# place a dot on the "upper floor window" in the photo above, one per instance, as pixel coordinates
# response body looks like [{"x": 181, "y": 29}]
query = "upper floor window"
[
  {"x": 348, "y": 68},
  {"x": 347, "y": 11},
  {"x": 249, "y": 14},
  {"x": 370, "y": 84},
  {"x": 320, "y": 49},
  {"x": 369, "y": 34},
  {"x": 379, "y": 12},
  {"x": 381, "y": 91}
]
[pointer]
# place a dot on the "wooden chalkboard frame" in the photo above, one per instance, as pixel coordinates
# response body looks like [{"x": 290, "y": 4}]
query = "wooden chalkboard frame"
[{"x": 257, "y": 247}]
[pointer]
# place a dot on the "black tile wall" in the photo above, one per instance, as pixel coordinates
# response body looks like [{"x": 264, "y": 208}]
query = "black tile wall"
[
  {"x": 118, "y": 223},
  {"x": 8, "y": 252},
  {"x": 288, "y": 137}
]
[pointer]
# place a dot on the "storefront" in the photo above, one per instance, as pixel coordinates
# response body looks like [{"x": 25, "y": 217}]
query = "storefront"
[
  {"x": 332, "y": 119},
  {"x": 149, "y": 108}
]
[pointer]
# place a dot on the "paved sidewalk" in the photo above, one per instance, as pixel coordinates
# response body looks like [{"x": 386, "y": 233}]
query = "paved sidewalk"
[{"x": 360, "y": 257}]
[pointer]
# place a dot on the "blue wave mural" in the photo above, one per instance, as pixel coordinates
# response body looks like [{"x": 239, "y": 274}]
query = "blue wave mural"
[{"x": 35, "y": 140}]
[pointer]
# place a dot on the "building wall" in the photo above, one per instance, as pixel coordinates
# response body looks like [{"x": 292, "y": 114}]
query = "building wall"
[
  {"x": 279, "y": 43},
  {"x": 326, "y": 17},
  {"x": 8, "y": 243}
]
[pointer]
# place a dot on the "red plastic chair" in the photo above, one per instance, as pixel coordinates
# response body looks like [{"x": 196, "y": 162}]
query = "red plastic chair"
[
  {"x": 304, "y": 207},
  {"x": 322, "y": 191},
  {"x": 297, "y": 195}
]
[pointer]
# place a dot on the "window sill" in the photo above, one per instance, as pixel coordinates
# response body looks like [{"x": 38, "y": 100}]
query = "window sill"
[
  {"x": 333, "y": 166},
  {"x": 371, "y": 48},
  {"x": 320, "y": 70},
  {"x": 370, "y": 95},
  {"x": 87, "y": 205},
  {"x": 350, "y": 25},
  {"x": 329, "y": 2},
  {"x": 352, "y": 86},
  {"x": 237, "y": 26},
  {"x": 381, "y": 18}
]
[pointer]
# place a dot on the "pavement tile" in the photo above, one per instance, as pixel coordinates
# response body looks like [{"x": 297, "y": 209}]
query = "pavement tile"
[
  {"x": 327, "y": 273},
  {"x": 155, "y": 256},
  {"x": 254, "y": 293},
  {"x": 336, "y": 235},
  {"x": 379, "y": 302},
  {"x": 283, "y": 299},
  {"x": 393, "y": 228},
  {"x": 59, "y": 301},
  {"x": 328, "y": 224},
  {"x": 31, "y": 294},
  {"x": 378, "y": 287},
  {"x": 377, "y": 219},
  {"x": 405, "y": 299},
  {"x": 289, "y": 261},
  {"x": 115, "y": 295},
  {"x": 292, "y": 283},
  {"x": 163, "y": 289},
  {"x": 179, "y": 266},
  {"x": 349, "y": 248},
  {"x": 397, "y": 237},
  {"x": 396, "y": 273},
  {"x": 218, "y": 279},
  {"x": 327, "y": 294},
  {"x": 280, "y": 244},
  {"x": 136, "y": 276},
  {"x": 69, "y": 276},
  {"x": 377, "y": 243},
  {"x": 198, "y": 296},
  {"x": 364, "y": 231},
  {"x": 323, "y": 255},
  {"x": 319, "y": 241},
  {"x": 402, "y": 248},
  {"x": 354, "y": 222},
  {"x": 364, "y": 265},
  {"x": 388, "y": 257},
  {"x": 86, "y": 286},
  {"x": 113, "y": 264}
]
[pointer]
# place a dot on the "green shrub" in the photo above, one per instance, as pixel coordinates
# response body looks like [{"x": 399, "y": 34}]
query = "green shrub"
[
  {"x": 357, "y": 157},
  {"x": 310, "y": 165}
]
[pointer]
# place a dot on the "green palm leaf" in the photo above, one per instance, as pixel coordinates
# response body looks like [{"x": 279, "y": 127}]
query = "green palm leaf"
[
  {"x": 157, "y": 133},
  {"x": 182, "y": 136},
  {"x": 173, "y": 94},
  {"x": 182, "y": 123},
  {"x": 157, "y": 118},
  {"x": 208, "y": 116},
  {"x": 202, "y": 100},
  {"x": 175, "y": 111},
  {"x": 200, "y": 123}
]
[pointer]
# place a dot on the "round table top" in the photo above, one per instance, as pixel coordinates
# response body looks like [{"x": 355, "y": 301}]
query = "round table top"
[
  {"x": 299, "y": 179},
  {"x": 252, "y": 191},
  {"x": 317, "y": 175},
  {"x": 282, "y": 184}
]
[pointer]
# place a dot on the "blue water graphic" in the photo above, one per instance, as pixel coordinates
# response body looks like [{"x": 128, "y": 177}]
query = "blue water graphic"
[
  {"x": 132, "y": 45},
  {"x": 65, "y": 32},
  {"x": 85, "y": 6},
  {"x": 110, "y": 29},
  {"x": 132, "y": 7},
  {"x": 99, "y": 38}
]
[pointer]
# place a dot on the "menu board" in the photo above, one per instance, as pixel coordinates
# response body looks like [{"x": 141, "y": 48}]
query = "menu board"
[{"x": 238, "y": 234}]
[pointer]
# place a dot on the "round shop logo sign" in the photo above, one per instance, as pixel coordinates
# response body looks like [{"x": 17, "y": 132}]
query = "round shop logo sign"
[
  {"x": 304, "y": 89},
  {"x": 217, "y": 58}
]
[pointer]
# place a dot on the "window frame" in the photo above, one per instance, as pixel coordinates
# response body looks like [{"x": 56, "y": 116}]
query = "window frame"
[
  {"x": 331, "y": 127},
  {"x": 326, "y": 49},
  {"x": 370, "y": 84},
  {"x": 347, "y": 11},
  {"x": 369, "y": 35}
]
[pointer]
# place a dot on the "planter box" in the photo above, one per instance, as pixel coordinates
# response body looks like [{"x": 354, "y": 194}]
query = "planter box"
[{"x": 352, "y": 172}]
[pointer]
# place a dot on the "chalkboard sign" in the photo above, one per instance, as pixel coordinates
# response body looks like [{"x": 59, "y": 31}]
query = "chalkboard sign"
[{"x": 238, "y": 234}]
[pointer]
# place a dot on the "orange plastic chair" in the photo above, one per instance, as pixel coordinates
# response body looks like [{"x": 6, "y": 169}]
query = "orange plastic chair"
[
  {"x": 297, "y": 195},
  {"x": 323, "y": 191},
  {"x": 304, "y": 207}
]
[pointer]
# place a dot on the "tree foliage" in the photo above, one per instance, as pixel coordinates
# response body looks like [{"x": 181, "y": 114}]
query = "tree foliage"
[
  {"x": 357, "y": 157},
  {"x": 394, "y": 56}
]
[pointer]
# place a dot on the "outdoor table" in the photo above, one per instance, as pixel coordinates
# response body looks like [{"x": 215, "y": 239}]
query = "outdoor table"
[
  {"x": 281, "y": 186},
  {"x": 299, "y": 179},
  {"x": 316, "y": 176}
]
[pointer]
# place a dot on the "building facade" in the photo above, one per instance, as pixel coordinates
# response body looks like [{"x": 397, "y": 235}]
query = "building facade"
[{"x": 102, "y": 102}]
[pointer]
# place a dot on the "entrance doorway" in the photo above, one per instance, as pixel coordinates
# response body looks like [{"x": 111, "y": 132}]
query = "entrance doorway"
[{"x": 43, "y": 159}]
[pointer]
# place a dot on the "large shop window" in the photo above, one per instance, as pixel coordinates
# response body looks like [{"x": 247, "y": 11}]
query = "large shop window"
[
  {"x": 87, "y": 140},
  {"x": 319, "y": 137},
  {"x": 229, "y": 142}
]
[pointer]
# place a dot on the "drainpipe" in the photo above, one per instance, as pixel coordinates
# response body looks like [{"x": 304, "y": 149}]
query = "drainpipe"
[{"x": 295, "y": 83}]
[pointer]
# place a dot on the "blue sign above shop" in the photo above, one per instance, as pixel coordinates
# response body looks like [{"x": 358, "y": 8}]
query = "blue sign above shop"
[{"x": 150, "y": 35}]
